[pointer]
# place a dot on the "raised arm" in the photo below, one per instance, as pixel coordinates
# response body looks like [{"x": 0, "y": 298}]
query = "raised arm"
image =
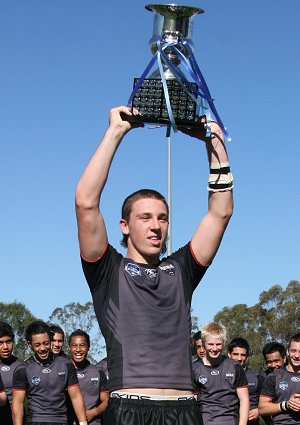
[
  {"x": 91, "y": 226},
  {"x": 208, "y": 235}
]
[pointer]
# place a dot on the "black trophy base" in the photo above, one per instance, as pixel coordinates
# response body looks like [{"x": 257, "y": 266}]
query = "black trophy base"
[{"x": 150, "y": 102}]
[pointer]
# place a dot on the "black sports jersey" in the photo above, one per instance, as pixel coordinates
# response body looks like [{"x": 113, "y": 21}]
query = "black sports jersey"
[
  {"x": 7, "y": 369},
  {"x": 144, "y": 315},
  {"x": 254, "y": 385},
  {"x": 217, "y": 386},
  {"x": 46, "y": 388},
  {"x": 279, "y": 386},
  {"x": 102, "y": 365},
  {"x": 92, "y": 381}
]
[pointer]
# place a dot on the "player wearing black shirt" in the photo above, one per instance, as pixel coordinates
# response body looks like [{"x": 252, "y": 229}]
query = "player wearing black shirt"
[
  {"x": 8, "y": 363},
  {"x": 220, "y": 382},
  {"x": 92, "y": 381},
  {"x": 239, "y": 349},
  {"x": 280, "y": 394},
  {"x": 45, "y": 378},
  {"x": 141, "y": 301},
  {"x": 58, "y": 340}
]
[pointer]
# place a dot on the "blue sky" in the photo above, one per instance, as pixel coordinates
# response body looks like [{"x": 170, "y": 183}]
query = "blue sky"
[{"x": 65, "y": 63}]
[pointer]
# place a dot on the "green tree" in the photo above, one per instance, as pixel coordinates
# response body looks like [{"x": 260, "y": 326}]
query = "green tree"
[
  {"x": 19, "y": 317},
  {"x": 75, "y": 316},
  {"x": 274, "y": 318}
]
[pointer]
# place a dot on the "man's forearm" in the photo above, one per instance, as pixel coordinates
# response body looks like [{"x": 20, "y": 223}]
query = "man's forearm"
[
  {"x": 17, "y": 414},
  {"x": 93, "y": 179}
]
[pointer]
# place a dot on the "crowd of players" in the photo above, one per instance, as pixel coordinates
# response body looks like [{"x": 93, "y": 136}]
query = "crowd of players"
[{"x": 60, "y": 388}]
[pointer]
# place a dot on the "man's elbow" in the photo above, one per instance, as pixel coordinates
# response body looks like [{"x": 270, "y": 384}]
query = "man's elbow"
[{"x": 83, "y": 202}]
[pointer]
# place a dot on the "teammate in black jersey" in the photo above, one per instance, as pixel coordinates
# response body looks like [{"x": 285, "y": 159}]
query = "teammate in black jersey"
[
  {"x": 221, "y": 382},
  {"x": 280, "y": 394},
  {"x": 8, "y": 363},
  {"x": 45, "y": 379},
  {"x": 92, "y": 381},
  {"x": 142, "y": 302},
  {"x": 58, "y": 340},
  {"x": 239, "y": 350}
]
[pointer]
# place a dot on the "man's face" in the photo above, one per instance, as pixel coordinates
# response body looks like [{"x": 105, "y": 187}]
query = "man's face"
[
  {"x": 275, "y": 361},
  {"x": 213, "y": 346},
  {"x": 57, "y": 343},
  {"x": 147, "y": 229},
  {"x": 40, "y": 345},
  {"x": 200, "y": 348},
  {"x": 6, "y": 347},
  {"x": 78, "y": 349},
  {"x": 239, "y": 354},
  {"x": 294, "y": 354}
]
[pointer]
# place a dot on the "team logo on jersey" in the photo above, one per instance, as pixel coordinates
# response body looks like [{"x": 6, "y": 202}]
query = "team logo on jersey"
[
  {"x": 35, "y": 380},
  {"x": 169, "y": 269},
  {"x": 133, "y": 269},
  {"x": 80, "y": 375},
  {"x": 61, "y": 373},
  {"x": 151, "y": 273},
  {"x": 295, "y": 379},
  {"x": 283, "y": 385},
  {"x": 202, "y": 379},
  {"x": 229, "y": 376},
  {"x": 5, "y": 368},
  {"x": 215, "y": 372},
  {"x": 46, "y": 370},
  {"x": 95, "y": 381}
]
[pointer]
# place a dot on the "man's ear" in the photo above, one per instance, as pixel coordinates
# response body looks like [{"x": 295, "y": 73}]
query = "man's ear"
[{"x": 124, "y": 227}]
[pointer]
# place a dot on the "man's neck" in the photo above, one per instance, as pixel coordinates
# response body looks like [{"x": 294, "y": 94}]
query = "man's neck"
[
  {"x": 291, "y": 368},
  {"x": 209, "y": 361},
  {"x": 81, "y": 365},
  {"x": 143, "y": 259}
]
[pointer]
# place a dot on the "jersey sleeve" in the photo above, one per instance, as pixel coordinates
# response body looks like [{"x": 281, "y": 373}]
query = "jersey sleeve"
[
  {"x": 191, "y": 268},
  {"x": 240, "y": 377},
  {"x": 103, "y": 382},
  {"x": 20, "y": 381},
  {"x": 268, "y": 387},
  {"x": 72, "y": 375},
  {"x": 97, "y": 273},
  {"x": 1, "y": 385}
]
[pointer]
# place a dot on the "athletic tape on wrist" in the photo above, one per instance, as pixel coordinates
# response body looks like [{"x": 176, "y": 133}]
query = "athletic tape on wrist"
[{"x": 220, "y": 177}]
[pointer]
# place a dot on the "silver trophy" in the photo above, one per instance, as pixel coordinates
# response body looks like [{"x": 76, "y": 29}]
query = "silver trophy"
[{"x": 168, "y": 91}]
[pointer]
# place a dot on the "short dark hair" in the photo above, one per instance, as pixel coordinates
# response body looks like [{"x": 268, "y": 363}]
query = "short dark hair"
[
  {"x": 36, "y": 328},
  {"x": 197, "y": 336},
  {"x": 238, "y": 342},
  {"x": 295, "y": 338},
  {"x": 273, "y": 347},
  {"x": 80, "y": 332},
  {"x": 55, "y": 329},
  {"x": 131, "y": 199},
  {"x": 6, "y": 330}
]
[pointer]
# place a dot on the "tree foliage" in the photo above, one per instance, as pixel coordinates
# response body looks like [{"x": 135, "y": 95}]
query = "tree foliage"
[
  {"x": 275, "y": 317},
  {"x": 75, "y": 316},
  {"x": 19, "y": 317}
]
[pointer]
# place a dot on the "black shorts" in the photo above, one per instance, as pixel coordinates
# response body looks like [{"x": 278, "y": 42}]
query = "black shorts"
[{"x": 152, "y": 412}]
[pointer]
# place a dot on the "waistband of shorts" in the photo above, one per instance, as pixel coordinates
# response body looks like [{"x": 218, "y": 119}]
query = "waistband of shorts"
[{"x": 154, "y": 397}]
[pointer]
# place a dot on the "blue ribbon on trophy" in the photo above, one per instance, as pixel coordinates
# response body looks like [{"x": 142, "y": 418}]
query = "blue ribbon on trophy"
[{"x": 174, "y": 61}]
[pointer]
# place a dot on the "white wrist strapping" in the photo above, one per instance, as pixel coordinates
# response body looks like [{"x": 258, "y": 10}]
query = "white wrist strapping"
[{"x": 220, "y": 177}]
